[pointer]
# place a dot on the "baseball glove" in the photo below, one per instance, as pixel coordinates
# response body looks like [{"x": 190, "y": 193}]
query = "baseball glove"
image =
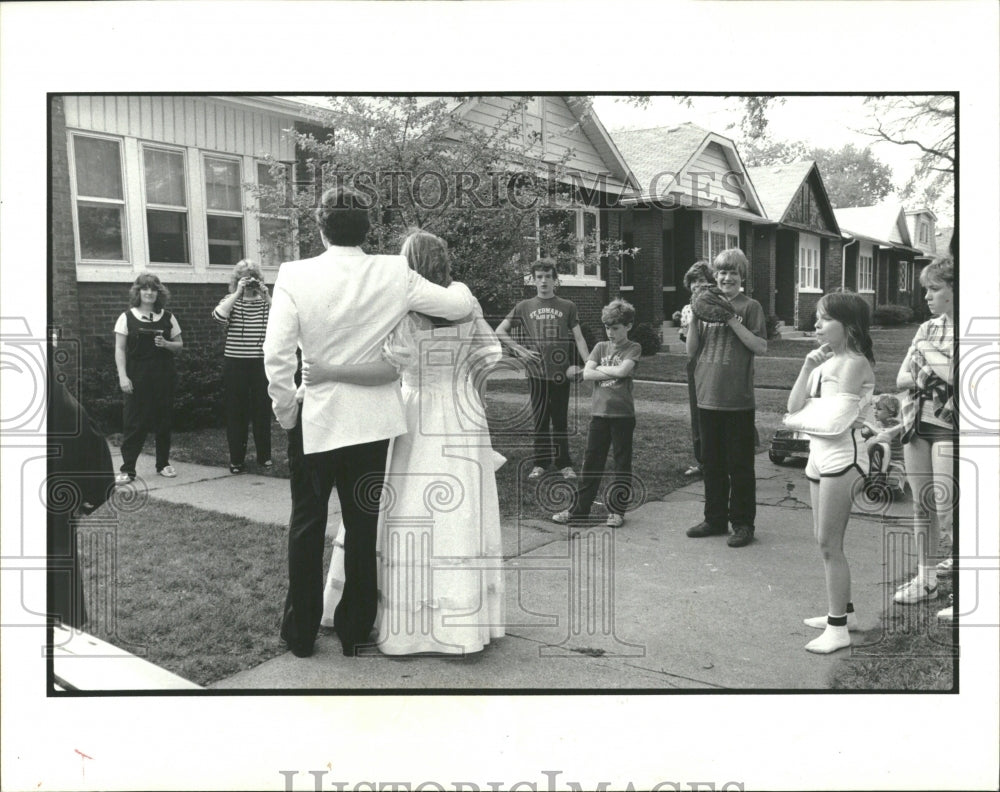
[{"x": 710, "y": 306}]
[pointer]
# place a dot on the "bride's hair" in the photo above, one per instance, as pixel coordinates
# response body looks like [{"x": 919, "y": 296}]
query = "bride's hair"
[{"x": 428, "y": 255}]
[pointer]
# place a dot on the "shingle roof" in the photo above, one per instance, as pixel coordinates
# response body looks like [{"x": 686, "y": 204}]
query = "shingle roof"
[
  {"x": 777, "y": 185},
  {"x": 879, "y": 223},
  {"x": 649, "y": 152}
]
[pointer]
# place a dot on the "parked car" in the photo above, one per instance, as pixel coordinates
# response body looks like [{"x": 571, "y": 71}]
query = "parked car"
[{"x": 788, "y": 443}]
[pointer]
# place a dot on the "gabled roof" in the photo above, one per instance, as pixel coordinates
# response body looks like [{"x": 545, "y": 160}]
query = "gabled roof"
[
  {"x": 884, "y": 224},
  {"x": 777, "y": 185},
  {"x": 661, "y": 157},
  {"x": 921, "y": 210}
]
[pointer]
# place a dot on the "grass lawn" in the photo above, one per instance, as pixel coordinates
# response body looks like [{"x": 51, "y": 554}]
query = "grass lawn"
[
  {"x": 910, "y": 650},
  {"x": 196, "y": 592}
]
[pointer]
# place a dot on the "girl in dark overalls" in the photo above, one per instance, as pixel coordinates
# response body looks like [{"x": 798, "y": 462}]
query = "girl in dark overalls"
[{"x": 147, "y": 337}]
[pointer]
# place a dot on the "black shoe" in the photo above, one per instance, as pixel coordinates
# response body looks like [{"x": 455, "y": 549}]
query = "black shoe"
[
  {"x": 236, "y": 469},
  {"x": 742, "y": 536},
  {"x": 706, "y": 529},
  {"x": 295, "y": 649}
]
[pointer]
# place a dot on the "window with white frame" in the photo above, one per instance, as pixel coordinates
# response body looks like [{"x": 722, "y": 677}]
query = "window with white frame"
[
  {"x": 100, "y": 199},
  {"x": 809, "y": 263},
  {"x": 718, "y": 233},
  {"x": 866, "y": 271},
  {"x": 904, "y": 276},
  {"x": 224, "y": 210},
  {"x": 572, "y": 237},
  {"x": 166, "y": 205},
  {"x": 276, "y": 231},
  {"x": 925, "y": 233}
]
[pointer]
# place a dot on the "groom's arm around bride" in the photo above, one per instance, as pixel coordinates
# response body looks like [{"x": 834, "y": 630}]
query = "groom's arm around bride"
[{"x": 339, "y": 307}]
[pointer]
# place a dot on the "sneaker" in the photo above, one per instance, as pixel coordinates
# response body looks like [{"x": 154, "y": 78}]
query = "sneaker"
[
  {"x": 536, "y": 473},
  {"x": 915, "y": 591},
  {"x": 705, "y": 529},
  {"x": 124, "y": 478},
  {"x": 268, "y": 464},
  {"x": 946, "y": 567},
  {"x": 615, "y": 521},
  {"x": 568, "y": 472},
  {"x": 742, "y": 536},
  {"x": 562, "y": 517},
  {"x": 168, "y": 471},
  {"x": 694, "y": 470},
  {"x": 947, "y": 614},
  {"x": 236, "y": 469}
]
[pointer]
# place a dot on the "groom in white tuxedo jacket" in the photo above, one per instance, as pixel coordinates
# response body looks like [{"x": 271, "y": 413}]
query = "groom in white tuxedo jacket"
[{"x": 339, "y": 307}]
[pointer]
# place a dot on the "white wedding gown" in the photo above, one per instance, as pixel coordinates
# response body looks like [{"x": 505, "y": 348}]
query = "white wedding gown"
[{"x": 440, "y": 556}]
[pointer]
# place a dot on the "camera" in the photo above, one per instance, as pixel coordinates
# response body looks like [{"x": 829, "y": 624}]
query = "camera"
[{"x": 253, "y": 283}]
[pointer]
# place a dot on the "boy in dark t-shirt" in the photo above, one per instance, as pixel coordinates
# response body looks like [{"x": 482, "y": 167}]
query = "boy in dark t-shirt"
[
  {"x": 723, "y": 380},
  {"x": 552, "y": 329},
  {"x": 611, "y": 366}
]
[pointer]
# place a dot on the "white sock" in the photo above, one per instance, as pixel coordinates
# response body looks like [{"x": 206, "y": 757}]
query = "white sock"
[
  {"x": 820, "y": 623},
  {"x": 832, "y": 639}
]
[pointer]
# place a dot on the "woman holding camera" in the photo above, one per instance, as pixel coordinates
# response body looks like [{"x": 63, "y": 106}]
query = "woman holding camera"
[
  {"x": 244, "y": 313},
  {"x": 147, "y": 337}
]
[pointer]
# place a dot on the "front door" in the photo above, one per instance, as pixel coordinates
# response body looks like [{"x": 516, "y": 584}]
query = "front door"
[{"x": 784, "y": 276}]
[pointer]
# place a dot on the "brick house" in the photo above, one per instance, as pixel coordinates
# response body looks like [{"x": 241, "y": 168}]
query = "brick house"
[
  {"x": 694, "y": 199},
  {"x": 157, "y": 183},
  {"x": 800, "y": 250},
  {"x": 160, "y": 183},
  {"x": 879, "y": 257}
]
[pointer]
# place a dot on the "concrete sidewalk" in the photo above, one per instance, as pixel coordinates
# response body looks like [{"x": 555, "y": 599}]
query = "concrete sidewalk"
[{"x": 641, "y": 607}]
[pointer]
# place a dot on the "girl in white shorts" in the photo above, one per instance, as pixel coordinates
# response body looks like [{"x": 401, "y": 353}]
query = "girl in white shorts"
[{"x": 841, "y": 371}]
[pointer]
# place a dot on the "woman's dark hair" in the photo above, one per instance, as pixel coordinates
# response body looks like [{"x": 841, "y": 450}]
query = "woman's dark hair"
[
  {"x": 854, "y": 314},
  {"x": 146, "y": 280},
  {"x": 342, "y": 216}
]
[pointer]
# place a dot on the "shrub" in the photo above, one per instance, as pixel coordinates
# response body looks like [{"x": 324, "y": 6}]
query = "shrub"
[
  {"x": 889, "y": 315},
  {"x": 921, "y": 313},
  {"x": 648, "y": 338},
  {"x": 772, "y": 326},
  {"x": 198, "y": 399}
]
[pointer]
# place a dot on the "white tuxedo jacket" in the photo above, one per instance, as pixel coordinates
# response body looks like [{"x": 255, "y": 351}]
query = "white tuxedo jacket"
[{"x": 339, "y": 307}]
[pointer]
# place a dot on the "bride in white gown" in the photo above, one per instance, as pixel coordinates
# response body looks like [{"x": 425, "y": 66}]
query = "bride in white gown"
[{"x": 440, "y": 567}]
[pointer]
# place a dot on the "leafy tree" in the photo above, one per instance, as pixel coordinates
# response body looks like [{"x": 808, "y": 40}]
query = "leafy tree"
[
  {"x": 852, "y": 176},
  {"x": 764, "y": 151},
  {"x": 423, "y": 166},
  {"x": 926, "y": 123}
]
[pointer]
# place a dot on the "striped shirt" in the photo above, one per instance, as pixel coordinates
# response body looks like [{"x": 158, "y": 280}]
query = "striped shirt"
[{"x": 246, "y": 326}]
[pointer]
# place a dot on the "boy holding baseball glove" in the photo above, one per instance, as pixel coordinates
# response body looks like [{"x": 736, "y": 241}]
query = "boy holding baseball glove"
[{"x": 727, "y": 331}]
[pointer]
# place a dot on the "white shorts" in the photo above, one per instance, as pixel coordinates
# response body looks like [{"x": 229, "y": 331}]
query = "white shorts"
[{"x": 835, "y": 456}]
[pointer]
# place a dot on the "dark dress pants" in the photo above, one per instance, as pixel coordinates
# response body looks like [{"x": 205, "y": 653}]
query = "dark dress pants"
[
  {"x": 358, "y": 472},
  {"x": 245, "y": 386},
  {"x": 727, "y": 448},
  {"x": 550, "y": 418}
]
